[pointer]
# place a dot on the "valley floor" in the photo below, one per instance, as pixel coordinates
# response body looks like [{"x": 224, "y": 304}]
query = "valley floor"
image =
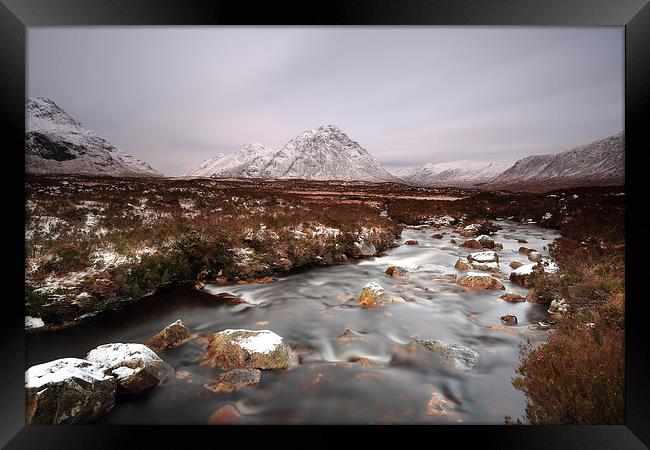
[{"x": 95, "y": 244}]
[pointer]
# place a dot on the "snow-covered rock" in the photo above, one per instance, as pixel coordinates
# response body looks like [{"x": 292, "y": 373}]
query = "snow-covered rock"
[
  {"x": 483, "y": 257},
  {"x": 464, "y": 173},
  {"x": 247, "y": 349},
  {"x": 373, "y": 294},
  {"x": 33, "y": 322},
  {"x": 67, "y": 391},
  {"x": 136, "y": 367},
  {"x": 57, "y": 143},
  {"x": 323, "y": 153}
]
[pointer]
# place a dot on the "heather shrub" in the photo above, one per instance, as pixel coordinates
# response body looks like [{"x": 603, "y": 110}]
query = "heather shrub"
[{"x": 577, "y": 377}]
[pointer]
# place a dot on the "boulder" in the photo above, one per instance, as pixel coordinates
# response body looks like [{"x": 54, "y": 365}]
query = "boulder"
[
  {"x": 471, "y": 243},
  {"x": 516, "y": 264},
  {"x": 486, "y": 241},
  {"x": 483, "y": 257},
  {"x": 558, "y": 306},
  {"x": 396, "y": 271},
  {"x": 411, "y": 242},
  {"x": 525, "y": 250},
  {"x": 351, "y": 336},
  {"x": 521, "y": 275},
  {"x": 437, "y": 236},
  {"x": 33, "y": 322},
  {"x": 235, "y": 380},
  {"x": 226, "y": 415},
  {"x": 247, "y": 349},
  {"x": 522, "y": 241},
  {"x": 135, "y": 366},
  {"x": 172, "y": 335},
  {"x": 67, "y": 391},
  {"x": 512, "y": 297},
  {"x": 480, "y": 281},
  {"x": 509, "y": 319},
  {"x": 229, "y": 298},
  {"x": 373, "y": 294},
  {"x": 459, "y": 356},
  {"x": 532, "y": 297},
  {"x": 534, "y": 256},
  {"x": 461, "y": 265}
]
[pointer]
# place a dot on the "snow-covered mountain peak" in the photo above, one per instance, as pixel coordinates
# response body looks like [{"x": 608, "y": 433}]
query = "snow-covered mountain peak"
[
  {"x": 322, "y": 153},
  {"x": 57, "y": 143}
]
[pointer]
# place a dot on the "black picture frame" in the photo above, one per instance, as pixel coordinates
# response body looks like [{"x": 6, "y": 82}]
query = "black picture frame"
[{"x": 634, "y": 15}]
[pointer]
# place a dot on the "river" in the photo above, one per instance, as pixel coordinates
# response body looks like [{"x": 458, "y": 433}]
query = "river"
[{"x": 310, "y": 309}]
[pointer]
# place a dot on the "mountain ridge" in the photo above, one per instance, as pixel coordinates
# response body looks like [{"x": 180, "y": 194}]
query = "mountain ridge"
[{"x": 57, "y": 143}]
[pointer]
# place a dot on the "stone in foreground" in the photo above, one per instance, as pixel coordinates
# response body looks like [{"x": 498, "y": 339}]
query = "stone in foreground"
[
  {"x": 235, "y": 380},
  {"x": 480, "y": 281},
  {"x": 33, "y": 322},
  {"x": 247, "y": 349},
  {"x": 373, "y": 294},
  {"x": 226, "y": 415},
  {"x": 172, "y": 335},
  {"x": 135, "y": 366},
  {"x": 459, "y": 356},
  {"x": 67, "y": 391},
  {"x": 396, "y": 271}
]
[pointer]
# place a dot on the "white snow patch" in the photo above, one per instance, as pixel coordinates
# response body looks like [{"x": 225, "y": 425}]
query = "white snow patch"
[
  {"x": 262, "y": 341},
  {"x": 33, "y": 322},
  {"x": 61, "y": 370}
]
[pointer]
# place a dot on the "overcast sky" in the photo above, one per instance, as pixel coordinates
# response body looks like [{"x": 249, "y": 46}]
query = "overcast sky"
[{"x": 175, "y": 96}]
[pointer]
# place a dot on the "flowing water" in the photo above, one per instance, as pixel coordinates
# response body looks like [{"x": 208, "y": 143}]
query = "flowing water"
[{"x": 310, "y": 310}]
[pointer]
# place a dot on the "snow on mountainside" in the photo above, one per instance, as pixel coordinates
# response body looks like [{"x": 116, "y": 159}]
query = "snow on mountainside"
[
  {"x": 464, "y": 173},
  {"x": 601, "y": 162},
  {"x": 324, "y": 153},
  {"x": 57, "y": 143}
]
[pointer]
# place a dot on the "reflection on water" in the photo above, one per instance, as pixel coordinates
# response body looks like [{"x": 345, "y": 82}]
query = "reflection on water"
[{"x": 310, "y": 310}]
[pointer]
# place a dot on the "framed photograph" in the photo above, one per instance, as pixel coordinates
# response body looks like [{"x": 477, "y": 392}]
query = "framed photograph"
[{"x": 402, "y": 214}]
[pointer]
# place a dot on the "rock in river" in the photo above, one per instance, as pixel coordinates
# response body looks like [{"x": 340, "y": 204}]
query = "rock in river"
[
  {"x": 373, "y": 294},
  {"x": 461, "y": 265},
  {"x": 512, "y": 297},
  {"x": 235, "y": 380},
  {"x": 460, "y": 356},
  {"x": 411, "y": 242},
  {"x": 136, "y": 367},
  {"x": 226, "y": 415},
  {"x": 396, "y": 271},
  {"x": 471, "y": 243},
  {"x": 172, "y": 335},
  {"x": 247, "y": 349},
  {"x": 509, "y": 319},
  {"x": 480, "y": 281},
  {"x": 67, "y": 391},
  {"x": 483, "y": 257}
]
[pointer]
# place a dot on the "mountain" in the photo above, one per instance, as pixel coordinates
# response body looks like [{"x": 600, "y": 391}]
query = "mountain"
[
  {"x": 323, "y": 153},
  {"x": 601, "y": 163},
  {"x": 464, "y": 173},
  {"x": 246, "y": 163},
  {"x": 57, "y": 143}
]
